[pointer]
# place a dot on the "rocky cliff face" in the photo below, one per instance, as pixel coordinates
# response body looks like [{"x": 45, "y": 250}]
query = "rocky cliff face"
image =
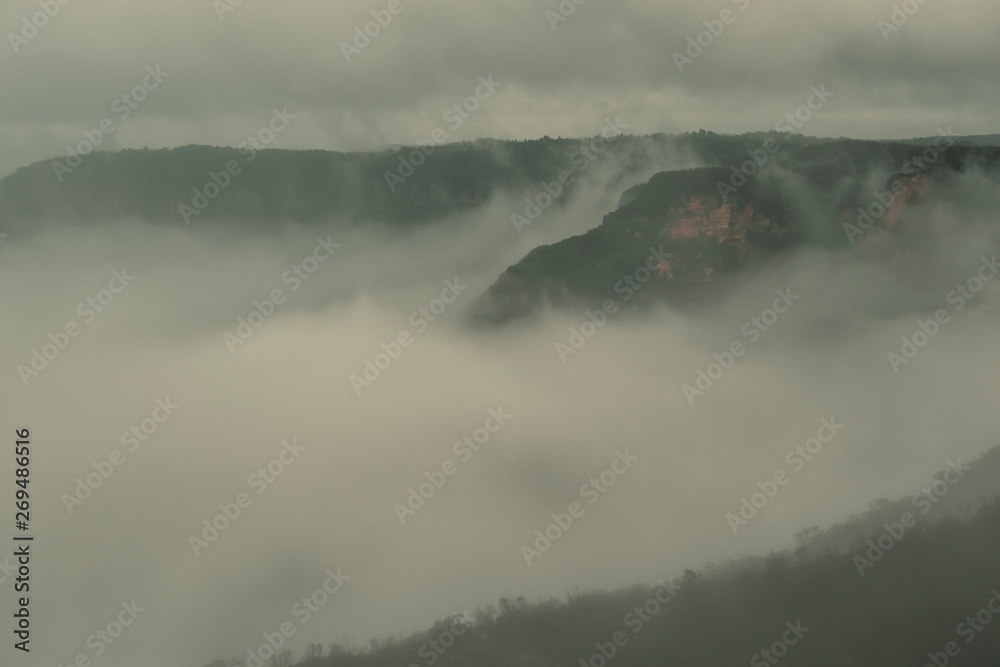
[
  {"x": 687, "y": 229},
  {"x": 706, "y": 236},
  {"x": 807, "y": 196},
  {"x": 913, "y": 188},
  {"x": 679, "y": 214}
]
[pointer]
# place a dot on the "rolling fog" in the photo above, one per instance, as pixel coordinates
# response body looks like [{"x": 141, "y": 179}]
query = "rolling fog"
[
  {"x": 358, "y": 454},
  {"x": 177, "y": 424}
]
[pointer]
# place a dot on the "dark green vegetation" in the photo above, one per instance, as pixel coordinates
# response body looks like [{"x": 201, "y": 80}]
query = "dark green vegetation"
[
  {"x": 914, "y": 600},
  {"x": 716, "y": 222},
  {"x": 713, "y": 220},
  {"x": 316, "y": 186}
]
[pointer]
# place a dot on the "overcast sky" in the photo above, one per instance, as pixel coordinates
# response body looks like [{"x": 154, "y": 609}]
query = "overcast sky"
[{"x": 227, "y": 73}]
